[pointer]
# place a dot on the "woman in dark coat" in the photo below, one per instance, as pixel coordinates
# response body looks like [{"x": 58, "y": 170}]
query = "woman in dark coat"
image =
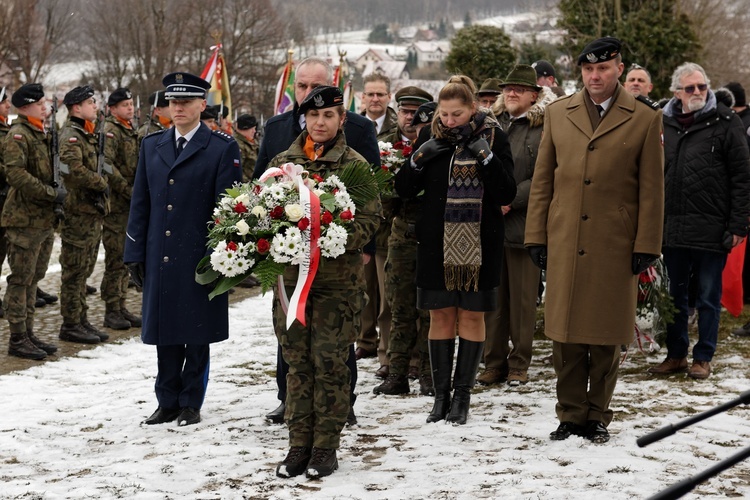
[{"x": 466, "y": 172}]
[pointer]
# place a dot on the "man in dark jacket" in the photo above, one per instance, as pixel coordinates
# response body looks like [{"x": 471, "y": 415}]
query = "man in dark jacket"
[
  {"x": 707, "y": 204},
  {"x": 280, "y": 132},
  {"x": 181, "y": 173}
]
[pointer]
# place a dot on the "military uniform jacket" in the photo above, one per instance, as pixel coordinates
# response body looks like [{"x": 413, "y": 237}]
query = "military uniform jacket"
[
  {"x": 78, "y": 149},
  {"x": 28, "y": 169},
  {"x": 249, "y": 152},
  {"x": 121, "y": 151},
  {"x": 390, "y": 125},
  {"x": 597, "y": 197},
  {"x": 391, "y": 206},
  {"x": 345, "y": 272},
  {"x": 173, "y": 200},
  {"x": 149, "y": 127},
  {"x": 4, "y": 128}
]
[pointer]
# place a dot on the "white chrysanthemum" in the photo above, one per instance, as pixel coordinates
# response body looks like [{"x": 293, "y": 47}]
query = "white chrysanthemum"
[
  {"x": 287, "y": 248},
  {"x": 385, "y": 146},
  {"x": 294, "y": 212},
  {"x": 333, "y": 242},
  {"x": 242, "y": 227},
  {"x": 217, "y": 213},
  {"x": 248, "y": 248},
  {"x": 274, "y": 193},
  {"x": 335, "y": 183},
  {"x": 344, "y": 201},
  {"x": 227, "y": 202}
]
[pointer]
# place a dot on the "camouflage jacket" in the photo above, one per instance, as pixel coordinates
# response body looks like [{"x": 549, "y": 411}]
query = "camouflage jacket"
[
  {"x": 78, "y": 150},
  {"x": 249, "y": 153},
  {"x": 346, "y": 272},
  {"x": 4, "y": 127},
  {"x": 390, "y": 125},
  {"x": 28, "y": 169},
  {"x": 121, "y": 150},
  {"x": 149, "y": 127}
]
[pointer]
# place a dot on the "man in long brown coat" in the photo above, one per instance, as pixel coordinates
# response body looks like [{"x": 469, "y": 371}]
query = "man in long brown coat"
[{"x": 595, "y": 222}]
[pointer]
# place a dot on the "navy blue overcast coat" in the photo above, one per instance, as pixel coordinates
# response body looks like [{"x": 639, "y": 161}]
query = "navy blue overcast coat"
[{"x": 172, "y": 202}]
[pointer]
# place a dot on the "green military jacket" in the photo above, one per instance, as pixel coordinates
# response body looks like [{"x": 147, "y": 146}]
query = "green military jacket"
[
  {"x": 121, "y": 150},
  {"x": 4, "y": 127},
  {"x": 249, "y": 154},
  {"x": 345, "y": 272},
  {"x": 78, "y": 149},
  {"x": 28, "y": 169},
  {"x": 390, "y": 205},
  {"x": 390, "y": 125},
  {"x": 149, "y": 127}
]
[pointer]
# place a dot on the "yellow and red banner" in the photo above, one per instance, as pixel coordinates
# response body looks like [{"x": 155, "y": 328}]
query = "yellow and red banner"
[{"x": 215, "y": 72}]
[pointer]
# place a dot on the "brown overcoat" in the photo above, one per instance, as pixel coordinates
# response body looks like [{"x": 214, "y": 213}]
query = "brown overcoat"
[{"x": 596, "y": 198}]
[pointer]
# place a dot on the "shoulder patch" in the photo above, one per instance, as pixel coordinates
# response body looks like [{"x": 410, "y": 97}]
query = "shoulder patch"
[
  {"x": 223, "y": 135},
  {"x": 18, "y": 137},
  {"x": 73, "y": 139},
  {"x": 110, "y": 135},
  {"x": 648, "y": 102},
  {"x": 236, "y": 162}
]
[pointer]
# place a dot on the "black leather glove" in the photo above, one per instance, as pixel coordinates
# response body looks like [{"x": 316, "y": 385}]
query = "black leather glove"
[
  {"x": 538, "y": 256},
  {"x": 481, "y": 150},
  {"x": 137, "y": 270},
  {"x": 60, "y": 194},
  {"x": 642, "y": 261},
  {"x": 427, "y": 152}
]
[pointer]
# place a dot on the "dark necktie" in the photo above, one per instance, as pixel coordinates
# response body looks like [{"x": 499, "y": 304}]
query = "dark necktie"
[
  {"x": 600, "y": 109},
  {"x": 375, "y": 124},
  {"x": 181, "y": 141}
]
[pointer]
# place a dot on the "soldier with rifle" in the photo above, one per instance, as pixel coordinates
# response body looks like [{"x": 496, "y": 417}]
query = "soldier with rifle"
[
  {"x": 4, "y": 127},
  {"x": 29, "y": 217},
  {"x": 121, "y": 151},
  {"x": 85, "y": 209},
  {"x": 158, "y": 116}
]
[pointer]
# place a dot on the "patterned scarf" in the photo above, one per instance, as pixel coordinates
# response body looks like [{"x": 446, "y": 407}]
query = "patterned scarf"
[{"x": 462, "y": 244}]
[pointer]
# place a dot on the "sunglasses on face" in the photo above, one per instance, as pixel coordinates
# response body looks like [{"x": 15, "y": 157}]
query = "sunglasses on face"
[{"x": 690, "y": 89}]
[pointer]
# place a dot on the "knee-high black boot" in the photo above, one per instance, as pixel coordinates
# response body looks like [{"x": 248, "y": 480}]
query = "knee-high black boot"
[
  {"x": 441, "y": 362},
  {"x": 467, "y": 362}
]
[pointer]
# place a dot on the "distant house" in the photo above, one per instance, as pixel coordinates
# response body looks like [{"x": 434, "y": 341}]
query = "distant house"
[
  {"x": 427, "y": 54},
  {"x": 395, "y": 70},
  {"x": 425, "y": 36},
  {"x": 370, "y": 56}
]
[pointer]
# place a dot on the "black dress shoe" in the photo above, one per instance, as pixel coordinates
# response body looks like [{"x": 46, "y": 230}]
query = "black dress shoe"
[
  {"x": 596, "y": 432},
  {"x": 162, "y": 415},
  {"x": 48, "y": 297},
  {"x": 90, "y": 290},
  {"x": 188, "y": 416},
  {"x": 277, "y": 416},
  {"x": 295, "y": 462},
  {"x": 40, "y": 302},
  {"x": 565, "y": 430}
]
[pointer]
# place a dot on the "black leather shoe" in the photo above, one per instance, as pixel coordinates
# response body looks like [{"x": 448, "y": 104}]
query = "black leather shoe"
[
  {"x": 295, "y": 462},
  {"x": 351, "y": 419},
  {"x": 322, "y": 463},
  {"x": 162, "y": 415},
  {"x": 48, "y": 297},
  {"x": 277, "y": 416},
  {"x": 40, "y": 302},
  {"x": 596, "y": 432},
  {"x": 188, "y": 416},
  {"x": 90, "y": 290},
  {"x": 565, "y": 430}
]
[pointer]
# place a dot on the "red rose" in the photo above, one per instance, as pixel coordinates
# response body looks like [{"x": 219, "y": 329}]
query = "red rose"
[
  {"x": 317, "y": 178},
  {"x": 399, "y": 145},
  {"x": 263, "y": 246},
  {"x": 384, "y": 167},
  {"x": 232, "y": 246},
  {"x": 407, "y": 150},
  {"x": 384, "y": 153},
  {"x": 303, "y": 223},
  {"x": 277, "y": 212},
  {"x": 335, "y": 190},
  {"x": 326, "y": 218},
  {"x": 240, "y": 208},
  {"x": 256, "y": 189},
  {"x": 217, "y": 222},
  {"x": 346, "y": 215}
]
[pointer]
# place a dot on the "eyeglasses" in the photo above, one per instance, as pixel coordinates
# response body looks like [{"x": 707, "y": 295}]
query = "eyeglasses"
[
  {"x": 379, "y": 95},
  {"x": 516, "y": 90},
  {"x": 690, "y": 89},
  {"x": 407, "y": 112}
]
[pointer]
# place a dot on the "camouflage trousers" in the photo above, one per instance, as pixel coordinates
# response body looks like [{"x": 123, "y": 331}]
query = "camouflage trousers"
[
  {"x": 115, "y": 280},
  {"x": 409, "y": 325},
  {"x": 3, "y": 247},
  {"x": 80, "y": 244},
  {"x": 29, "y": 251},
  {"x": 318, "y": 400}
]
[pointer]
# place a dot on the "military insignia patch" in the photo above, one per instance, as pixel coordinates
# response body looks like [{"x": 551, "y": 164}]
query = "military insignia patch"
[
  {"x": 236, "y": 162},
  {"x": 318, "y": 100},
  {"x": 591, "y": 57},
  {"x": 73, "y": 139},
  {"x": 178, "y": 78},
  {"x": 110, "y": 135},
  {"x": 17, "y": 137}
]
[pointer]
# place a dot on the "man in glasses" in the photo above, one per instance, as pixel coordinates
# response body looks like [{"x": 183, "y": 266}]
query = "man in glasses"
[
  {"x": 638, "y": 81},
  {"x": 707, "y": 182},
  {"x": 375, "y": 99}
]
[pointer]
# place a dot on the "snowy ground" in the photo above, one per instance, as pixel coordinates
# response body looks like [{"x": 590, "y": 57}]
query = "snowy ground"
[{"x": 70, "y": 429}]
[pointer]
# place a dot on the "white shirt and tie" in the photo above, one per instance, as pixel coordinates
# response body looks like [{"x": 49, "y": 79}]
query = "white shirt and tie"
[{"x": 182, "y": 140}]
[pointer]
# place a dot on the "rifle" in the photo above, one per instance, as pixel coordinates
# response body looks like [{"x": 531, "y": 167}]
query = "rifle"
[
  {"x": 102, "y": 166},
  {"x": 137, "y": 114},
  {"x": 58, "y": 167},
  {"x": 151, "y": 113}
]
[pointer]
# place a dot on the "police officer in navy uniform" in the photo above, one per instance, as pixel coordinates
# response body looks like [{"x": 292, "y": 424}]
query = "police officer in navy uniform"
[{"x": 181, "y": 173}]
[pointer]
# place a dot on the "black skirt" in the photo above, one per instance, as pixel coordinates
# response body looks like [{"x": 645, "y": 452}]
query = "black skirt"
[{"x": 480, "y": 301}]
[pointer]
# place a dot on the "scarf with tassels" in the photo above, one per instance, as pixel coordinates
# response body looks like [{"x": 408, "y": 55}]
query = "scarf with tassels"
[{"x": 462, "y": 244}]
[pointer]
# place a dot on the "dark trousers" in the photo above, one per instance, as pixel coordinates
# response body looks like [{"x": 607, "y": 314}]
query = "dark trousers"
[
  {"x": 183, "y": 375},
  {"x": 707, "y": 268},
  {"x": 282, "y": 368}
]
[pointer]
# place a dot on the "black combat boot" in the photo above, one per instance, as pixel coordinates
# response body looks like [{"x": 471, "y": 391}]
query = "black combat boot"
[
  {"x": 89, "y": 328},
  {"x": 21, "y": 347},
  {"x": 74, "y": 332},
  {"x": 467, "y": 363},
  {"x": 40, "y": 302},
  {"x": 394, "y": 384},
  {"x": 295, "y": 462},
  {"x": 134, "y": 320},
  {"x": 114, "y": 319},
  {"x": 322, "y": 463},
  {"x": 48, "y": 297},
  {"x": 48, "y": 348},
  {"x": 441, "y": 361}
]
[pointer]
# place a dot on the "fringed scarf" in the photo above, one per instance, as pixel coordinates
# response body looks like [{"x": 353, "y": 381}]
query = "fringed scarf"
[{"x": 462, "y": 244}]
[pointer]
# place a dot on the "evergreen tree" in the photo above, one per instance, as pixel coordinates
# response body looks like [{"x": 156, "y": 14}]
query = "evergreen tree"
[
  {"x": 380, "y": 34},
  {"x": 481, "y": 52}
]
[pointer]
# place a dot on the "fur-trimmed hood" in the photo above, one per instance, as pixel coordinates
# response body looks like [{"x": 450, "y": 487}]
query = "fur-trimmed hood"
[{"x": 535, "y": 114}]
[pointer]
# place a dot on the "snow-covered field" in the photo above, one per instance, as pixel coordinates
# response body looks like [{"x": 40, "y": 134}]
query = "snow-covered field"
[{"x": 71, "y": 429}]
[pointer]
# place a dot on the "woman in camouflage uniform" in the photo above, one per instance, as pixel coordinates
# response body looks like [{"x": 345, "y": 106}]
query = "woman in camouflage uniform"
[{"x": 317, "y": 402}]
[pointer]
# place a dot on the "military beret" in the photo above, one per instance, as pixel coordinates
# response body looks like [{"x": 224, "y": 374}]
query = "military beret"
[
  {"x": 119, "y": 95},
  {"x": 600, "y": 50},
  {"x": 424, "y": 113},
  {"x": 162, "y": 102},
  {"x": 246, "y": 122},
  {"x": 740, "y": 100},
  {"x": 490, "y": 86},
  {"x": 3, "y": 94},
  {"x": 523, "y": 75},
  {"x": 210, "y": 113},
  {"x": 185, "y": 86},
  {"x": 321, "y": 98},
  {"x": 543, "y": 68},
  {"x": 27, "y": 94},
  {"x": 221, "y": 109},
  {"x": 413, "y": 95},
  {"x": 77, "y": 95}
]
